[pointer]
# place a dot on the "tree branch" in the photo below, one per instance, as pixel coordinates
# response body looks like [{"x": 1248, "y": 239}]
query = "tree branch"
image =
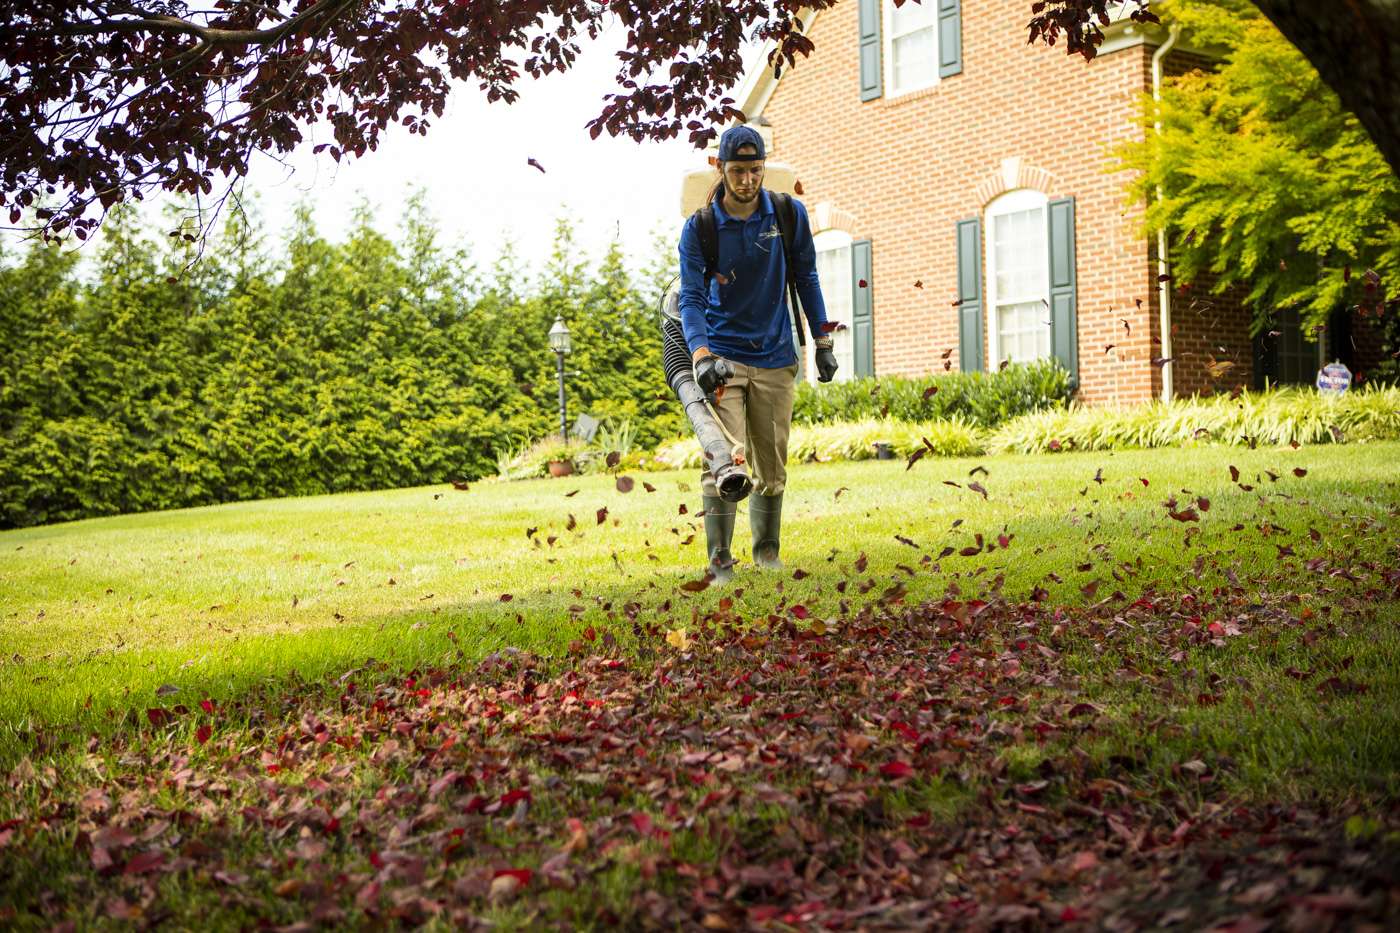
[{"x": 208, "y": 34}]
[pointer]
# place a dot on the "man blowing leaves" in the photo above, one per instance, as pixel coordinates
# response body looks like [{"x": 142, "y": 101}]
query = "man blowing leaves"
[{"x": 738, "y": 311}]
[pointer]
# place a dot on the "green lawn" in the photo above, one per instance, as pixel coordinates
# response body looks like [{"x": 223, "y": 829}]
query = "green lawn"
[
  {"x": 1210, "y": 674},
  {"x": 100, "y": 614}
]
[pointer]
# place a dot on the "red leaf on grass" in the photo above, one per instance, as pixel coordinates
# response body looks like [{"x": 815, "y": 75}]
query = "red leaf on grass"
[
  {"x": 978, "y": 488},
  {"x": 896, "y": 769},
  {"x": 512, "y": 796},
  {"x": 1299, "y": 472},
  {"x": 522, "y": 875},
  {"x": 202, "y": 734},
  {"x": 648, "y": 486},
  {"x": 602, "y": 515},
  {"x": 158, "y": 716},
  {"x": 144, "y": 862},
  {"x": 113, "y": 837},
  {"x": 625, "y": 484}
]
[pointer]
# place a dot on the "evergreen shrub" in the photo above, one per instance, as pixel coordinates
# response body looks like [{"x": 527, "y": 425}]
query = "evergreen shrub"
[
  {"x": 981, "y": 399},
  {"x": 152, "y": 382}
]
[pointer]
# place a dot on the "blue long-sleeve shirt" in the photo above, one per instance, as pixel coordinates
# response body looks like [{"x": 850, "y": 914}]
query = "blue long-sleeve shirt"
[{"x": 745, "y": 316}]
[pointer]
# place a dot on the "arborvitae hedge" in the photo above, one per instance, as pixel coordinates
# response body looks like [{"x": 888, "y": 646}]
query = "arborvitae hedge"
[{"x": 359, "y": 364}]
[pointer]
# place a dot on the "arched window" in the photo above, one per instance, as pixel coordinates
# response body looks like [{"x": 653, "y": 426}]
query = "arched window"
[{"x": 1018, "y": 278}]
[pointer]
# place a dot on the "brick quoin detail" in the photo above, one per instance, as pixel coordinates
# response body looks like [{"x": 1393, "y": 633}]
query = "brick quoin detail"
[{"x": 903, "y": 171}]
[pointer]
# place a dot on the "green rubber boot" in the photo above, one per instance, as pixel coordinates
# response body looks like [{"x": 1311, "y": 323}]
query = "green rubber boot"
[
  {"x": 719, "y": 532},
  {"x": 766, "y": 521}
]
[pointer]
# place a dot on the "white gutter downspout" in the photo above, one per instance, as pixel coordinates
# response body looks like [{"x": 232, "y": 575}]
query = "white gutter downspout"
[{"x": 1164, "y": 285}]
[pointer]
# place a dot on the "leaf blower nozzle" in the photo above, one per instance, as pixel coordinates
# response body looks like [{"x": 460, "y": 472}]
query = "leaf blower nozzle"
[{"x": 731, "y": 479}]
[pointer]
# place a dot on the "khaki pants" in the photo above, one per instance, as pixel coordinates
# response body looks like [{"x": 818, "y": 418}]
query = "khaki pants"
[{"x": 756, "y": 409}]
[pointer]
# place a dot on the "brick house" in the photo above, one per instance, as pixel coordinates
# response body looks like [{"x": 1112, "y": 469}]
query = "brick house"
[{"x": 966, "y": 179}]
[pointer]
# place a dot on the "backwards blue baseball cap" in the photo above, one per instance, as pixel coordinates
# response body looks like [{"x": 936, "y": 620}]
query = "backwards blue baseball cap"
[{"x": 736, "y": 137}]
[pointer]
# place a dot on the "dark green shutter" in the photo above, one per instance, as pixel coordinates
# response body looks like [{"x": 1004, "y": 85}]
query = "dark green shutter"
[
  {"x": 949, "y": 37},
  {"x": 870, "y": 76},
  {"x": 862, "y": 310},
  {"x": 970, "y": 295},
  {"x": 1064, "y": 329}
]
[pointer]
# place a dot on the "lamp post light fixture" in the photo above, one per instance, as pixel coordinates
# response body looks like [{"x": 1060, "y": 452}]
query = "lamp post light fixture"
[{"x": 561, "y": 343}]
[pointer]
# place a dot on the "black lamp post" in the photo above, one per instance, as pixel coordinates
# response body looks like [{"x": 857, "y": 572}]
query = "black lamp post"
[{"x": 561, "y": 344}]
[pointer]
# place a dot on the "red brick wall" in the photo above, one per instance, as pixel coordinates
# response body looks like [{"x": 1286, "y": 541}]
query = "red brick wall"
[
  {"x": 909, "y": 168},
  {"x": 1209, "y": 331}
]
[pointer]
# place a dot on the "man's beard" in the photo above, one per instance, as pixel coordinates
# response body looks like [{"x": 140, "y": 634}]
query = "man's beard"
[{"x": 742, "y": 199}]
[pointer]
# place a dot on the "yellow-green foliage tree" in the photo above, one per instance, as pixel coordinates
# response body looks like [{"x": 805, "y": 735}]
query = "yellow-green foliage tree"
[{"x": 1266, "y": 181}]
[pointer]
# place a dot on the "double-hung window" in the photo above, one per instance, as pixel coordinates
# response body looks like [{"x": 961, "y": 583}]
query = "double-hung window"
[
  {"x": 1018, "y": 278},
  {"x": 911, "y": 45}
]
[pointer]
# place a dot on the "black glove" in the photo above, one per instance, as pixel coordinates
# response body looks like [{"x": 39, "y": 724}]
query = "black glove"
[
  {"x": 826, "y": 364},
  {"x": 712, "y": 372}
]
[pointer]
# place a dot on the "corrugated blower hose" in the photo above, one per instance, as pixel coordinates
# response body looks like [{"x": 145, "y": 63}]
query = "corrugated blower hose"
[{"x": 723, "y": 454}]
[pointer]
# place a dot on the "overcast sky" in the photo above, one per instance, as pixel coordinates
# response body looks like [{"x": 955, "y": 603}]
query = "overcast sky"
[{"x": 474, "y": 165}]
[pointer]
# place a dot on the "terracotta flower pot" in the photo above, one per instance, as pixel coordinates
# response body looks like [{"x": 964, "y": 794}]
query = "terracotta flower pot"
[{"x": 561, "y": 467}]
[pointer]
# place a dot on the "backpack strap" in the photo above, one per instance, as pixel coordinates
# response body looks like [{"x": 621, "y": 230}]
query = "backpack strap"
[
  {"x": 708, "y": 230},
  {"x": 787, "y": 227},
  {"x": 787, "y": 222}
]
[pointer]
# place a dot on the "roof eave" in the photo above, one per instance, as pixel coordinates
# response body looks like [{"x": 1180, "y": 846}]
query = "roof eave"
[{"x": 758, "y": 85}]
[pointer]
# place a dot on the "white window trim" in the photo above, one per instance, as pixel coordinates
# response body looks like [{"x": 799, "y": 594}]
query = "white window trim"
[
  {"x": 1020, "y": 199},
  {"x": 822, "y": 242},
  {"x": 887, "y": 50}
]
